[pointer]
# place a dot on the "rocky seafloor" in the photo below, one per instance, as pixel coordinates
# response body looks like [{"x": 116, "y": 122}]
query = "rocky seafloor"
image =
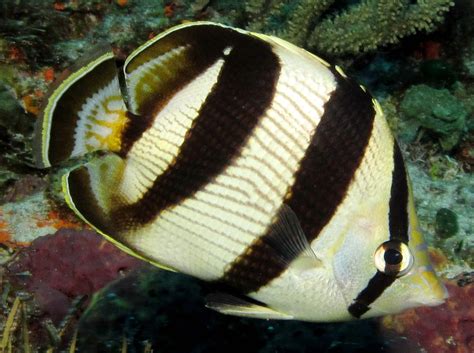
[{"x": 64, "y": 288}]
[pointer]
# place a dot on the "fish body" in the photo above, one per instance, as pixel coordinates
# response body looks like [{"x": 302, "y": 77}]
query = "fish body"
[{"x": 241, "y": 159}]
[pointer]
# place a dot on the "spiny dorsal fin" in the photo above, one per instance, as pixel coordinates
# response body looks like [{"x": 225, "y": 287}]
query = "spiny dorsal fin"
[
  {"x": 230, "y": 305},
  {"x": 85, "y": 112}
]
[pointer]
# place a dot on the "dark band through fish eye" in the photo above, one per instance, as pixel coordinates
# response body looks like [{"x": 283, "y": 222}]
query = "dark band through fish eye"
[{"x": 393, "y": 258}]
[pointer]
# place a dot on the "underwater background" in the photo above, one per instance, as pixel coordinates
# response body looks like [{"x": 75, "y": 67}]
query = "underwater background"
[{"x": 63, "y": 288}]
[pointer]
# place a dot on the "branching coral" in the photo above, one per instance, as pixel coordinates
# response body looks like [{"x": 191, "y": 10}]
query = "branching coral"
[
  {"x": 287, "y": 19},
  {"x": 360, "y": 28}
]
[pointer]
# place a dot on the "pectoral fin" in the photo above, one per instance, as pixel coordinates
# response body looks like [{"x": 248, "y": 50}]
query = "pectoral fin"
[
  {"x": 230, "y": 305},
  {"x": 287, "y": 237}
]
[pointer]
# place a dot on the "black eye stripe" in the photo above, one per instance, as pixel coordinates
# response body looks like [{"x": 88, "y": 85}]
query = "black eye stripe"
[
  {"x": 398, "y": 215},
  {"x": 372, "y": 291}
]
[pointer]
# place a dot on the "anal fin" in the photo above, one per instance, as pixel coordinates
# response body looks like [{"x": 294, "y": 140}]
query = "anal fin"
[
  {"x": 91, "y": 188},
  {"x": 230, "y": 305},
  {"x": 93, "y": 191}
]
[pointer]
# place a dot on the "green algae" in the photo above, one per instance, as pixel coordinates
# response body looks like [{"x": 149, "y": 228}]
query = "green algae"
[
  {"x": 446, "y": 223},
  {"x": 436, "y": 110}
]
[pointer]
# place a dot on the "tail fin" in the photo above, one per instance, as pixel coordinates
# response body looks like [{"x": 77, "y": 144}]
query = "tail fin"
[{"x": 84, "y": 113}]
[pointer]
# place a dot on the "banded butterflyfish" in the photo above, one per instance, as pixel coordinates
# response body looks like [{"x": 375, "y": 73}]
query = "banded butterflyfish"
[{"x": 241, "y": 159}]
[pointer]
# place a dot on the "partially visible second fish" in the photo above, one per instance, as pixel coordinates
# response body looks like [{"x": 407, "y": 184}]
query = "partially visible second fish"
[{"x": 241, "y": 159}]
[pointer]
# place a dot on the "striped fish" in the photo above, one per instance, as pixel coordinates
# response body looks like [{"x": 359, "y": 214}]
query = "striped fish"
[{"x": 240, "y": 159}]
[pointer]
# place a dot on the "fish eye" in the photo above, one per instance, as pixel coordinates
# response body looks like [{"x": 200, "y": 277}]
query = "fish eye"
[{"x": 393, "y": 258}]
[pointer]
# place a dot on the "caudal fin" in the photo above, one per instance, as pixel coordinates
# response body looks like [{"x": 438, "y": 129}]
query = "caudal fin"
[{"x": 84, "y": 113}]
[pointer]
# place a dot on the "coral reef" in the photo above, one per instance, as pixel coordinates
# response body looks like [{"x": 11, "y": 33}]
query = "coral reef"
[
  {"x": 374, "y": 23},
  {"x": 27, "y": 212}
]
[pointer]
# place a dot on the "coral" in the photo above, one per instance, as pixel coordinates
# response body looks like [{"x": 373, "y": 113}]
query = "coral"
[
  {"x": 443, "y": 167},
  {"x": 436, "y": 110},
  {"x": 128, "y": 26},
  {"x": 465, "y": 154},
  {"x": 16, "y": 127},
  {"x": 468, "y": 59},
  {"x": 448, "y": 328},
  {"x": 296, "y": 17},
  {"x": 359, "y": 28},
  {"x": 70, "y": 263},
  {"x": 10, "y": 111},
  {"x": 374, "y": 23}
]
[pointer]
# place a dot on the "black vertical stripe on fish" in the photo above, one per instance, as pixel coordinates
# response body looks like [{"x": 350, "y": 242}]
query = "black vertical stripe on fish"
[
  {"x": 257, "y": 266},
  {"x": 244, "y": 90},
  {"x": 134, "y": 128},
  {"x": 65, "y": 115},
  {"x": 398, "y": 206},
  {"x": 336, "y": 151},
  {"x": 204, "y": 45},
  {"x": 326, "y": 171},
  {"x": 398, "y": 227},
  {"x": 371, "y": 292}
]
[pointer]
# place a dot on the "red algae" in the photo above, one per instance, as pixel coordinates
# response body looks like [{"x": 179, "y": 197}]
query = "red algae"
[
  {"x": 60, "y": 267},
  {"x": 448, "y": 328}
]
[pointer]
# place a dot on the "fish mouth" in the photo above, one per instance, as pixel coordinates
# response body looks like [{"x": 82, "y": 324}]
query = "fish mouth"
[
  {"x": 433, "y": 291},
  {"x": 422, "y": 287}
]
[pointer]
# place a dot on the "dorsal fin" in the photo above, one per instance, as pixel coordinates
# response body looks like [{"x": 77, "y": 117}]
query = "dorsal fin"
[
  {"x": 168, "y": 62},
  {"x": 85, "y": 112}
]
